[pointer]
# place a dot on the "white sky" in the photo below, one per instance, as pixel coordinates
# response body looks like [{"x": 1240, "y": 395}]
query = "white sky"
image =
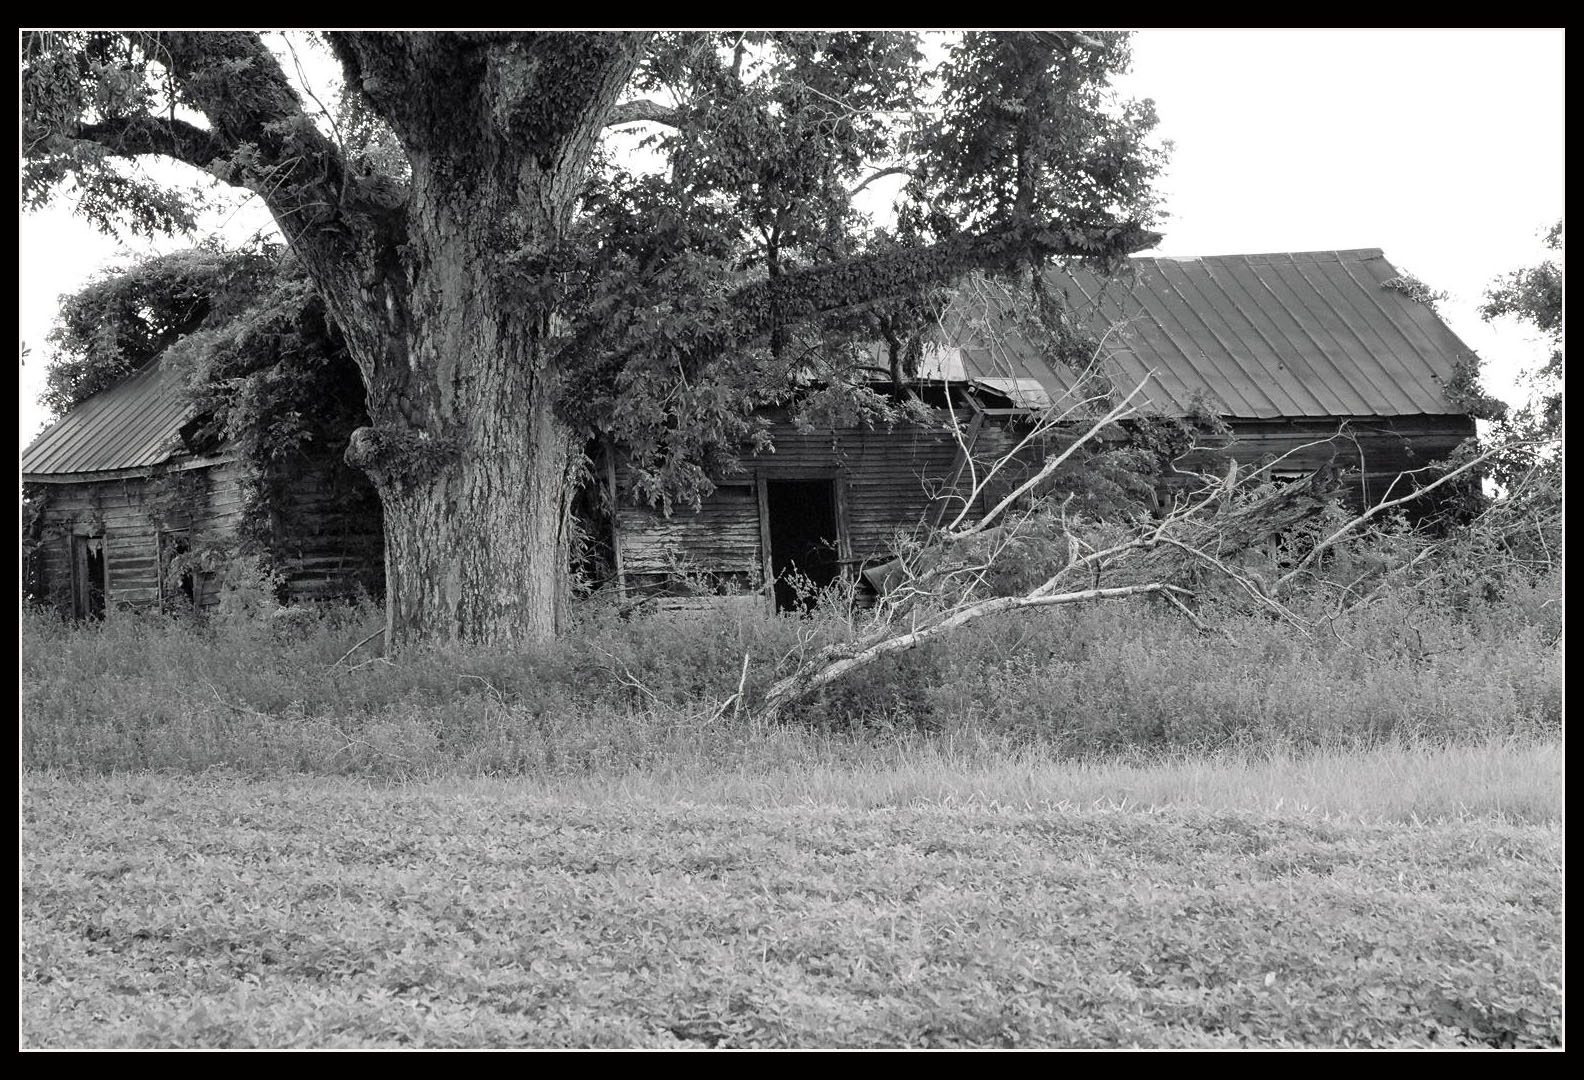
[{"x": 1442, "y": 147}]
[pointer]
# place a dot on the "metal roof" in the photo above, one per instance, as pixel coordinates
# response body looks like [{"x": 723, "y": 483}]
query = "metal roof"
[
  {"x": 1294, "y": 334},
  {"x": 132, "y": 425}
]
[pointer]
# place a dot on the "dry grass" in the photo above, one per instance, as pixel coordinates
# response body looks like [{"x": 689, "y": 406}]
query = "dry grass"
[
  {"x": 1519, "y": 782},
  {"x": 1099, "y": 685}
]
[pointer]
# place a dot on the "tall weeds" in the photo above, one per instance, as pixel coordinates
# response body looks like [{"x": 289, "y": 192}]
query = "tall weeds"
[{"x": 655, "y": 693}]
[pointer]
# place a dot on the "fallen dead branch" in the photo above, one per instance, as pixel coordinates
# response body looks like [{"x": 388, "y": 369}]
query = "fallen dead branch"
[
  {"x": 1029, "y": 548},
  {"x": 359, "y": 645},
  {"x": 957, "y": 576},
  {"x": 825, "y": 670}
]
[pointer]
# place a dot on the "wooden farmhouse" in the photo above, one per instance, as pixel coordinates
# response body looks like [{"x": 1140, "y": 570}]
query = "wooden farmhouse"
[
  {"x": 1322, "y": 358},
  {"x": 124, "y": 511}
]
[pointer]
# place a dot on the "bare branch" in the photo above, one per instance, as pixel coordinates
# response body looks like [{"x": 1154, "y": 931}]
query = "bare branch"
[
  {"x": 307, "y": 85},
  {"x": 1122, "y": 408},
  {"x": 1198, "y": 623},
  {"x": 643, "y": 109},
  {"x": 1249, "y": 583},
  {"x": 358, "y": 646},
  {"x": 810, "y": 678},
  {"x": 895, "y": 170}
]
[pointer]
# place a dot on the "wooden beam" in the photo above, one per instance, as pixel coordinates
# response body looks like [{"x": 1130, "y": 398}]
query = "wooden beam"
[
  {"x": 764, "y": 542},
  {"x": 616, "y": 538}
]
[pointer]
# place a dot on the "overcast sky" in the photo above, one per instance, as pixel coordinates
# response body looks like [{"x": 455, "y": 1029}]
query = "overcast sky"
[{"x": 1442, "y": 147}]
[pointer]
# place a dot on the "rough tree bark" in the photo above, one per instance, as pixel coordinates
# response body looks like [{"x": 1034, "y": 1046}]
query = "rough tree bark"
[{"x": 467, "y": 452}]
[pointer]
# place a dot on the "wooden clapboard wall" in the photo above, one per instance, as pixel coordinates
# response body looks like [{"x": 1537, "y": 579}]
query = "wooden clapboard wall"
[
  {"x": 325, "y": 531},
  {"x": 913, "y": 476},
  {"x": 1377, "y": 451},
  {"x": 888, "y": 480},
  {"x": 137, "y": 517},
  {"x": 326, "y": 528}
]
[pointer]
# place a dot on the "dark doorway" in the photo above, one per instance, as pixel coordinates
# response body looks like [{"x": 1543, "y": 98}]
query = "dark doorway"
[
  {"x": 803, "y": 539},
  {"x": 88, "y": 577},
  {"x": 172, "y": 546}
]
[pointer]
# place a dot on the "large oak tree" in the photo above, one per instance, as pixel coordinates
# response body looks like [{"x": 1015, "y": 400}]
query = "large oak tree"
[{"x": 509, "y": 288}]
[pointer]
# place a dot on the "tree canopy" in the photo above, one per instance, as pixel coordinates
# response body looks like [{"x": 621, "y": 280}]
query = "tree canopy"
[
  {"x": 511, "y": 284},
  {"x": 1534, "y": 295}
]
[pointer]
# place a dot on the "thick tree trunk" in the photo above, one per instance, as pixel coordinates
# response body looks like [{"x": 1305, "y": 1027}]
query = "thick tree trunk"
[
  {"x": 472, "y": 463},
  {"x": 478, "y": 550}
]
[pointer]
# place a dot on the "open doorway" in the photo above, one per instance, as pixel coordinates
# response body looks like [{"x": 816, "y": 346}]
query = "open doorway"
[
  {"x": 803, "y": 534},
  {"x": 88, "y": 577},
  {"x": 178, "y": 591}
]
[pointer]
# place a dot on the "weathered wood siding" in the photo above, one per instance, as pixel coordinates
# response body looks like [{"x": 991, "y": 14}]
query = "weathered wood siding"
[
  {"x": 911, "y": 476},
  {"x": 1371, "y": 453},
  {"x": 327, "y": 533},
  {"x": 888, "y": 480},
  {"x": 131, "y": 513},
  {"x": 721, "y": 536},
  {"x": 1378, "y": 449},
  {"x": 891, "y": 479},
  {"x": 325, "y": 530}
]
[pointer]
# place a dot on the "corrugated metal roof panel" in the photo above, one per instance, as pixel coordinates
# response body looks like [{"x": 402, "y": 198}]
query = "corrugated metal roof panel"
[
  {"x": 1023, "y": 393},
  {"x": 1294, "y": 334},
  {"x": 134, "y": 424}
]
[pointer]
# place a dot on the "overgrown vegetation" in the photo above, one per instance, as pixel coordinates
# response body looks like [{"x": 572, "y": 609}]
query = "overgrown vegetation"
[
  {"x": 1456, "y": 654},
  {"x": 1088, "y": 827},
  {"x": 1528, "y": 439},
  {"x": 266, "y": 375},
  {"x": 510, "y": 293}
]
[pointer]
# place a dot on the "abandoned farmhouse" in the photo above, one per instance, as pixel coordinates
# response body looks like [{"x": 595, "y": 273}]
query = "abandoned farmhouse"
[
  {"x": 1326, "y": 359},
  {"x": 127, "y": 507}
]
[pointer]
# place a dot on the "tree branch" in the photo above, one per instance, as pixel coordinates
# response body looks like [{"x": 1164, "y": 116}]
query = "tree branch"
[
  {"x": 546, "y": 90},
  {"x": 134, "y": 136},
  {"x": 810, "y": 678},
  {"x": 1122, "y": 408},
  {"x": 1378, "y": 508},
  {"x": 643, "y": 109},
  {"x": 895, "y": 170},
  {"x": 808, "y": 292},
  {"x": 378, "y": 65},
  {"x": 852, "y": 283}
]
